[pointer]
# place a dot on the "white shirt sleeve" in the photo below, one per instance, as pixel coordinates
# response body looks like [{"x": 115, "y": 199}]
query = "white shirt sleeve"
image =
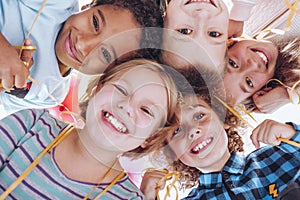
[{"x": 241, "y": 9}]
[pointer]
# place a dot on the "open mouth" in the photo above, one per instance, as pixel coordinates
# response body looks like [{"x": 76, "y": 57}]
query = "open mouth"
[
  {"x": 201, "y": 146},
  {"x": 201, "y": 1},
  {"x": 70, "y": 48},
  {"x": 115, "y": 123},
  {"x": 263, "y": 56}
]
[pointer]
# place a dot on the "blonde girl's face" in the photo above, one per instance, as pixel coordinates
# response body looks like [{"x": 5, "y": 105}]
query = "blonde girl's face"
[
  {"x": 127, "y": 109},
  {"x": 205, "y": 22},
  {"x": 200, "y": 140},
  {"x": 251, "y": 65}
]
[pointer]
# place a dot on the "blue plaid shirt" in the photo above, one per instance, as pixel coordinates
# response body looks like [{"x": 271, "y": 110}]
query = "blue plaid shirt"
[{"x": 263, "y": 174}]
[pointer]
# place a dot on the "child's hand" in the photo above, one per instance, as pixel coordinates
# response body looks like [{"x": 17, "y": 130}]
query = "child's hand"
[
  {"x": 235, "y": 28},
  {"x": 13, "y": 71},
  {"x": 149, "y": 183},
  {"x": 270, "y": 99},
  {"x": 268, "y": 132}
]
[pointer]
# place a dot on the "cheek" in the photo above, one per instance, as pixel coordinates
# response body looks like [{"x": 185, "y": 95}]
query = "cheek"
[{"x": 180, "y": 148}]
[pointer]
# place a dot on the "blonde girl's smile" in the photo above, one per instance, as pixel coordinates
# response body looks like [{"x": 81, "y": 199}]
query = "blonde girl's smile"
[{"x": 114, "y": 122}]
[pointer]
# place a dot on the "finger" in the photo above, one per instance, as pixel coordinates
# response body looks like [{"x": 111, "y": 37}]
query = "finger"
[
  {"x": 254, "y": 137},
  {"x": 20, "y": 80},
  {"x": 27, "y": 54},
  {"x": 7, "y": 82},
  {"x": 256, "y": 110},
  {"x": 267, "y": 89},
  {"x": 259, "y": 93}
]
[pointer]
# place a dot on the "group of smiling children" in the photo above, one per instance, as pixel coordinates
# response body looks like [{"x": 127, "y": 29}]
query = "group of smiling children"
[{"x": 154, "y": 91}]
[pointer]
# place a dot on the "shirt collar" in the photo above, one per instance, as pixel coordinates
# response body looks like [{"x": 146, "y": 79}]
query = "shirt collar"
[{"x": 234, "y": 166}]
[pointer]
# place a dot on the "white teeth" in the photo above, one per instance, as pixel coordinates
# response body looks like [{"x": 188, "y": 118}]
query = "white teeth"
[
  {"x": 208, "y": 1},
  {"x": 118, "y": 125},
  {"x": 263, "y": 56},
  {"x": 202, "y": 145}
]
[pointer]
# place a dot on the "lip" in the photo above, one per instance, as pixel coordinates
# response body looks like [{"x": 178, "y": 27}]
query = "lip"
[
  {"x": 211, "y": 2},
  {"x": 107, "y": 123},
  {"x": 70, "y": 49},
  {"x": 266, "y": 53},
  {"x": 199, "y": 141}
]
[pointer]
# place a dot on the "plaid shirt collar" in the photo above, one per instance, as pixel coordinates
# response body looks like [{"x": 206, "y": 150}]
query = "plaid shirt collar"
[{"x": 234, "y": 165}]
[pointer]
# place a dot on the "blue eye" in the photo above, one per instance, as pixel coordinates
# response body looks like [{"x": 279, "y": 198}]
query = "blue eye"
[
  {"x": 198, "y": 116},
  {"x": 214, "y": 34},
  {"x": 178, "y": 130},
  {"x": 232, "y": 63},
  {"x": 106, "y": 54},
  {"x": 95, "y": 23},
  {"x": 185, "y": 31}
]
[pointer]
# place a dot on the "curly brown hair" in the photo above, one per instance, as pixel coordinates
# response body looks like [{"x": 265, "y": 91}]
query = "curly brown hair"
[
  {"x": 204, "y": 85},
  {"x": 149, "y": 16}
]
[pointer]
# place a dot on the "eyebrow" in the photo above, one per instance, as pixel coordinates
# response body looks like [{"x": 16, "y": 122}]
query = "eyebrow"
[{"x": 102, "y": 17}]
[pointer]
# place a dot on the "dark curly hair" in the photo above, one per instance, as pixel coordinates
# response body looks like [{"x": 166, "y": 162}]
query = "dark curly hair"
[
  {"x": 206, "y": 85},
  {"x": 149, "y": 16}
]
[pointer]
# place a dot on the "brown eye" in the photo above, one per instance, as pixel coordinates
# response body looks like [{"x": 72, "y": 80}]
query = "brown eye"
[
  {"x": 249, "y": 82},
  {"x": 185, "y": 31},
  {"x": 232, "y": 64},
  {"x": 214, "y": 34}
]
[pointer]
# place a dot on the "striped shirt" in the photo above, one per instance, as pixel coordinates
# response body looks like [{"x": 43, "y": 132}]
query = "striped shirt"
[
  {"x": 263, "y": 174},
  {"x": 23, "y": 136}
]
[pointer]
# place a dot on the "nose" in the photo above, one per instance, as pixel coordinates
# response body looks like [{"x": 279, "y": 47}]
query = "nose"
[
  {"x": 85, "y": 44},
  {"x": 194, "y": 132},
  {"x": 201, "y": 14},
  {"x": 126, "y": 108},
  {"x": 254, "y": 66}
]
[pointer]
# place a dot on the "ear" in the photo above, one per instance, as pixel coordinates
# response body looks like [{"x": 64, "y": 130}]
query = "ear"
[
  {"x": 145, "y": 144},
  {"x": 226, "y": 126},
  {"x": 86, "y": 6}
]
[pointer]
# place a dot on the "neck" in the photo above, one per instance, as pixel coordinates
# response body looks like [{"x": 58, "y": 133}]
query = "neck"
[
  {"x": 95, "y": 151},
  {"x": 64, "y": 70},
  {"x": 219, "y": 165},
  {"x": 71, "y": 152}
]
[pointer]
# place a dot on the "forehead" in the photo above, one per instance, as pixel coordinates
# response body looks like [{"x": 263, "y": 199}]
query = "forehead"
[
  {"x": 192, "y": 101},
  {"x": 141, "y": 76}
]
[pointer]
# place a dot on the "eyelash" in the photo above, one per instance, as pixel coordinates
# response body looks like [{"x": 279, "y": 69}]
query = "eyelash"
[
  {"x": 185, "y": 31},
  {"x": 249, "y": 82},
  {"x": 232, "y": 63},
  {"x": 195, "y": 117},
  {"x": 214, "y": 34},
  {"x": 106, "y": 54},
  {"x": 177, "y": 131},
  {"x": 96, "y": 23},
  {"x": 147, "y": 111},
  {"x": 121, "y": 90}
]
